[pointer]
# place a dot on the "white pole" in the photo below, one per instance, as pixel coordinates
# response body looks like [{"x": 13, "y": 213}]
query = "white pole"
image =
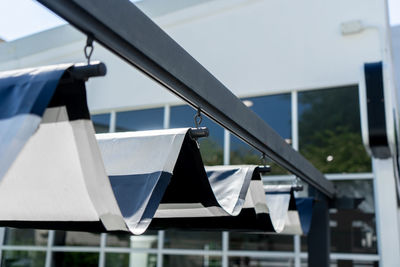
[{"x": 386, "y": 210}]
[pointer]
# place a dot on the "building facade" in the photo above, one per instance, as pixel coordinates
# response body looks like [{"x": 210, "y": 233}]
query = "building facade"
[{"x": 296, "y": 64}]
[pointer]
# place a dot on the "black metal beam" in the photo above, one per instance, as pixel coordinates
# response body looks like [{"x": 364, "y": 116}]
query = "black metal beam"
[
  {"x": 121, "y": 27},
  {"x": 318, "y": 239}
]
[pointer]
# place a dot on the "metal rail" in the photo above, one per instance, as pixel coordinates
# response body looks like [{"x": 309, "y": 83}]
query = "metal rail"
[{"x": 121, "y": 27}]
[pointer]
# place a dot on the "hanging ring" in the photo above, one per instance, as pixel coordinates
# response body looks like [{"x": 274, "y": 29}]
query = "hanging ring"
[
  {"x": 88, "y": 50},
  {"x": 198, "y": 118},
  {"x": 264, "y": 160}
]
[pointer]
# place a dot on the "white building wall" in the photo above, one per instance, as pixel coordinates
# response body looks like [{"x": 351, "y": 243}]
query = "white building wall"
[{"x": 253, "y": 46}]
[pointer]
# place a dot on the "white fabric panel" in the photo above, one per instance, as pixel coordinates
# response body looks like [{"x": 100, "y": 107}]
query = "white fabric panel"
[
  {"x": 57, "y": 177},
  {"x": 231, "y": 191},
  {"x": 292, "y": 223},
  {"x": 278, "y": 205},
  {"x": 140, "y": 152},
  {"x": 15, "y": 131}
]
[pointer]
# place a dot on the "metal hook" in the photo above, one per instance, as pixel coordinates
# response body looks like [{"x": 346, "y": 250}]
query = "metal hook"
[
  {"x": 296, "y": 186},
  {"x": 264, "y": 160},
  {"x": 198, "y": 118},
  {"x": 88, "y": 49}
]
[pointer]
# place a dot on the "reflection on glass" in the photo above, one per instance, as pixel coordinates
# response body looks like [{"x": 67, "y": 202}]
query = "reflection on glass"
[
  {"x": 274, "y": 110},
  {"x": 355, "y": 263},
  {"x": 76, "y": 259},
  {"x": 140, "y": 120},
  {"x": 192, "y": 261},
  {"x": 251, "y": 261},
  {"x": 101, "y": 122},
  {"x": 23, "y": 258},
  {"x": 70, "y": 238},
  {"x": 329, "y": 130},
  {"x": 211, "y": 147},
  {"x": 138, "y": 260},
  {"x": 117, "y": 260},
  {"x": 245, "y": 154},
  {"x": 353, "y": 230},
  {"x": 264, "y": 242},
  {"x": 147, "y": 240},
  {"x": 14, "y": 236},
  {"x": 193, "y": 240}
]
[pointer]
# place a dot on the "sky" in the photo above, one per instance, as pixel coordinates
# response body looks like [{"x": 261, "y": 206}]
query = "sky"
[{"x": 19, "y": 18}]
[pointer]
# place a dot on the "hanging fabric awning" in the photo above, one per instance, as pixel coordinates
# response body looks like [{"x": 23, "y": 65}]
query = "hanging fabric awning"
[
  {"x": 24, "y": 96},
  {"x": 52, "y": 171},
  {"x": 159, "y": 181},
  {"x": 60, "y": 177}
]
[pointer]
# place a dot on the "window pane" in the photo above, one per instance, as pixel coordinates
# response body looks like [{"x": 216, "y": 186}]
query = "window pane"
[
  {"x": 14, "y": 236},
  {"x": 355, "y": 263},
  {"x": 138, "y": 259},
  {"x": 250, "y": 261},
  {"x": 275, "y": 110},
  {"x": 354, "y": 230},
  {"x": 211, "y": 147},
  {"x": 192, "y": 261},
  {"x": 76, "y": 259},
  {"x": 23, "y": 258},
  {"x": 117, "y": 260},
  {"x": 193, "y": 240},
  {"x": 140, "y": 120},
  {"x": 264, "y": 242},
  {"x": 329, "y": 130},
  {"x": 70, "y": 238},
  {"x": 101, "y": 122},
  {"x": 147, "y": 240}
]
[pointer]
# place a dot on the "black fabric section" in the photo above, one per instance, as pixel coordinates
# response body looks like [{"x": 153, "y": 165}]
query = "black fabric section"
[
  {"x": 246, "y": 221},
  {"x": 376, "y": 110},
  {"x": 292, "y": 202},
  {"x": 71, "y": 93},
  {"x": 95, "y": 226},
  {"x": 189, "y": 182}
]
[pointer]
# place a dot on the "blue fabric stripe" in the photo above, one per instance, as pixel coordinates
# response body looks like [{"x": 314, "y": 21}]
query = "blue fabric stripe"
[
  {"x": 305, "y": 207},
  {"x": 132, "y": 190},
  {"x": 28, "y": 92},
  {"x": 277, "y": 192}
]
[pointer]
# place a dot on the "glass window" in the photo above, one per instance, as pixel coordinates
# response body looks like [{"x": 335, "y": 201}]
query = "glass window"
[
  {"x": 193, "y": 240},
  {"x": 138, "y": 260},
  {"x": 192, "y": 261},
  {"x": 76, "y": 259},
  {"x": 353, "y": 230},
  {"x": 140, "y": 120},
  {"x": 274, "y": 110},
  {"x": 251, "y": 261},
  {"x": 329, "y": 130},
  {"x": 118, "y": 240},
  {"x": 23, "y": 258},
  {"x": 14, "y": 236},
  {"x": 211, "y": 147},
  {"x": 263, "y": 242},
  {"x": 101, "y": 122},
  {"x": 70, "y": 238},
  {"x": 118, "y": 260}
]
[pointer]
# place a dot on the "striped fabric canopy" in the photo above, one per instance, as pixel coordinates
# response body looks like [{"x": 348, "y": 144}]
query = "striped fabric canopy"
[
  {"x": 159, "y": 181},
  {"x": 57, "y": 174},
  {"x": 24, "y": 96},
  {"x": 53, "y": 174}
]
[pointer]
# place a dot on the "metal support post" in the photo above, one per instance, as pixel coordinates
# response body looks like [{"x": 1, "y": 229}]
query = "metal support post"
[{"x": 318, "y": 238}]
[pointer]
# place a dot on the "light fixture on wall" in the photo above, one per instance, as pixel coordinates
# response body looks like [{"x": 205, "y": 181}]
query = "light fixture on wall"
[{"x": 351, "y": 27}]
